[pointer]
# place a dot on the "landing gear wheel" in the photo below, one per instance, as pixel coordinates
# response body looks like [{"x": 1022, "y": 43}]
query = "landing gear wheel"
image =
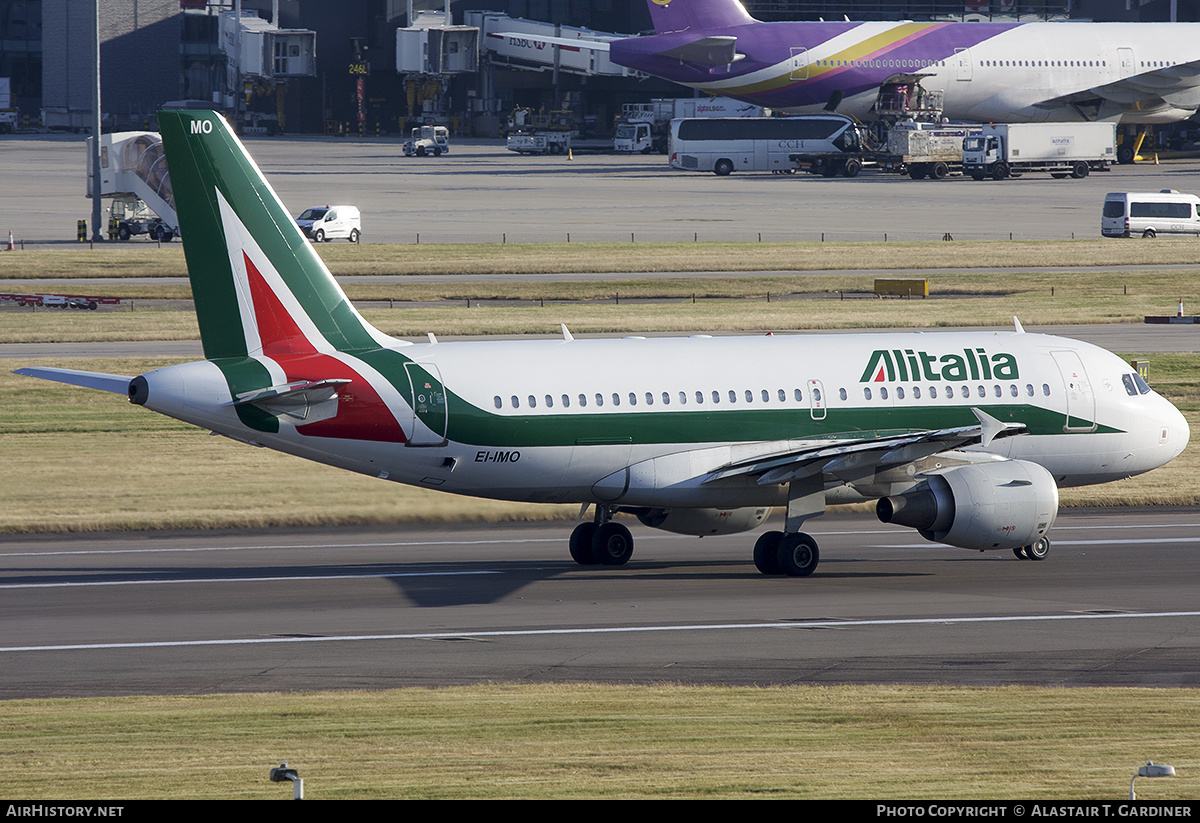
[
  {"x": 1126, "y": 155},
  {"x": 581, "y": 544},
  {"x": 612, "y": 545},
  {"x": 1019, "y": 551},
  {"x": 766, "y": 553},
  {"x": 798, "y": 555},
  {"x": 1038, "y": 550}
]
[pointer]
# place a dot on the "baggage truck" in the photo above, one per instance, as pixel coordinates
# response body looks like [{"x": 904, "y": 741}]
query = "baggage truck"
[{"x": 1061, "y": 149}]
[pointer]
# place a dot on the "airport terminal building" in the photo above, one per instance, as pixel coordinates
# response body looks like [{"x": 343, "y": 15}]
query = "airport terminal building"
[{"x": 337, "y": 67}]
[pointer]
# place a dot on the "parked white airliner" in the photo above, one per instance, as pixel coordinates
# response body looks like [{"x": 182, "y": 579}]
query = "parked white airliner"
[{"x": 964, "y": 436}]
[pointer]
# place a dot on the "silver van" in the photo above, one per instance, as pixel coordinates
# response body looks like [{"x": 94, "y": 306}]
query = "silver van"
[{"x": 1149, "y": 214}]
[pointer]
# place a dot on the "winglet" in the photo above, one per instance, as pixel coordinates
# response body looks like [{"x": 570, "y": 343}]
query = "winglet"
[{"x": 1017, "y": 323}]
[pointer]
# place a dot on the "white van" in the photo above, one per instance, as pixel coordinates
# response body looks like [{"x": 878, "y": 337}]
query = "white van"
[
  {"x": 323, "y": 223},
  {"x": 1149, "y": 214}
]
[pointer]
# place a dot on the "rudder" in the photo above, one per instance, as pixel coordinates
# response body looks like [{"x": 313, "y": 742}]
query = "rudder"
[{"x": 254, "y": 276}]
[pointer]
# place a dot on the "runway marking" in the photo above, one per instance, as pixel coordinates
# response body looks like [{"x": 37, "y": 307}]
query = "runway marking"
[
  {"x": 1125, "y": 541},
  {"x": 526, "y": 541},
  {"x": 272, "y": 579},
  {"x": 809, "y": 624}
]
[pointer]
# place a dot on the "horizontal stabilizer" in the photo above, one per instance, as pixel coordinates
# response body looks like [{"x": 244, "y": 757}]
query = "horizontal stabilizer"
[
  {"x": 285, "y": 390},
  {"x": 708, "y": 51},
  {"x": 565, "y": 42},
  {"x": 115, "y": 383}
]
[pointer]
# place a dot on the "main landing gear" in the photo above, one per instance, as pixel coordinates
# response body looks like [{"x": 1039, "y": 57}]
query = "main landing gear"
[
  {"x": 1037, "y": 551},
  {"x": 602, "y": 542},
  {"x": 795, "y": 554}
]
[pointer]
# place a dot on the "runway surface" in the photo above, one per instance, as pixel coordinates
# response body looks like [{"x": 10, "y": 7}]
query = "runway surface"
[{"x": 1114, "y": 604}]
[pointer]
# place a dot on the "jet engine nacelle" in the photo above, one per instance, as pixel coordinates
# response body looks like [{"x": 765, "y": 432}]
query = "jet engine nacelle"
[
  {"x": 703, "y": 522},
  {"x": 1002, "y": 505}
]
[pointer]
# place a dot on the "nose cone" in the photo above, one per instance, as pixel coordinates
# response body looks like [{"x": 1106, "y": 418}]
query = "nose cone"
[{"x": 1177, "y": 431}]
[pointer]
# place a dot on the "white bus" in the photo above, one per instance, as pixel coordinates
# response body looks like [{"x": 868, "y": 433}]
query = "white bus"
[
  {"x": 1149, "y": 214},
  {"x": 726, "y": 144}
]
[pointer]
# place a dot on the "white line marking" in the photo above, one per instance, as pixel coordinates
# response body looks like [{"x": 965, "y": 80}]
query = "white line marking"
[{"x": 814, "y": 624}]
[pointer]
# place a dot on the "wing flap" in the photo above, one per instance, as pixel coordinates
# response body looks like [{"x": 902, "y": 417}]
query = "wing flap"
[{"x": 849, "y": 459}]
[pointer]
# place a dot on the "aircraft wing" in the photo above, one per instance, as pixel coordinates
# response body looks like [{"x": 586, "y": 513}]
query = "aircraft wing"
[
  {"x": 115, "y": 383},
  {"x": 1177, "y": 85},
  {"x": 880, "y": 452}
]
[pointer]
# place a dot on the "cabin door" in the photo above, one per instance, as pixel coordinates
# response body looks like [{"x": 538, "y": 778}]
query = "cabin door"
[
  {"x": 430, "y": 409},
  {"x": 1081, "y": 401}
]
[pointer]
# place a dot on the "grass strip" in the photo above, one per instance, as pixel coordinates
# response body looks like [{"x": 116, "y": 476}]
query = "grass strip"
[
  {"x": 596, "y": 741},
  {"x": 150, "y": 260}
]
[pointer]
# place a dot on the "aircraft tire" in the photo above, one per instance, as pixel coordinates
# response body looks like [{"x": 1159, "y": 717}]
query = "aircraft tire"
[
  {"x": 1038, "y": 550},
  {"x": 1126, "y": 155},
  {"x": 581, "y": 544},
  {"x": 612, "y": 544},
  {"x": 766, "y": 553},
  {"x": 798, "y": 555}
]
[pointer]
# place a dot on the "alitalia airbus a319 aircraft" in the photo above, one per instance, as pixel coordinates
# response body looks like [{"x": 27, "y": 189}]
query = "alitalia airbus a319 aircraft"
[{"x": 965, "y": 437}]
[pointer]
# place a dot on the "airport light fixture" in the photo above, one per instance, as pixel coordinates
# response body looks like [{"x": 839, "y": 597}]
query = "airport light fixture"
[
  {"x": 283, "y": 773},
  {"x": 1151, "y": 769}
]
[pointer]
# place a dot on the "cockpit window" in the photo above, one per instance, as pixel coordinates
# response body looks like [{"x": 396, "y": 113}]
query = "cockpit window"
[{"x": 1134, "y": 384}]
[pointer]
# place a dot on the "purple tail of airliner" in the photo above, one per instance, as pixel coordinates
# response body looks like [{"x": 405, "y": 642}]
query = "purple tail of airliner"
[{"x": 682, "y": 15}]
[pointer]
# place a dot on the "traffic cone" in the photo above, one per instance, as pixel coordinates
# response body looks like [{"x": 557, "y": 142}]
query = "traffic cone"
[
  {"x": 9, "y": 247},
  {"x": 570, "y": 156},
  {"x": 1180, "y": 314}
]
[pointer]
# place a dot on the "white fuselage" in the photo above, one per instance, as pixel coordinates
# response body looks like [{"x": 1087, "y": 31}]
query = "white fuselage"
[{"x": 644, "y": 422}]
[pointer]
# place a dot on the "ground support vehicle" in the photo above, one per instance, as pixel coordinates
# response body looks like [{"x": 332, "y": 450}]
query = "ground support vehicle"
[
  {"x": 921, "y": 150},
  {"x": 539, "y": 142},
  {"x": 1149, "y": 214},
  {"x": 58, "y": 301},
  {"x": 130, "y": 216},
  {"x": 428, "y": 141},
  {"x": 1062, "y": 149}
]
